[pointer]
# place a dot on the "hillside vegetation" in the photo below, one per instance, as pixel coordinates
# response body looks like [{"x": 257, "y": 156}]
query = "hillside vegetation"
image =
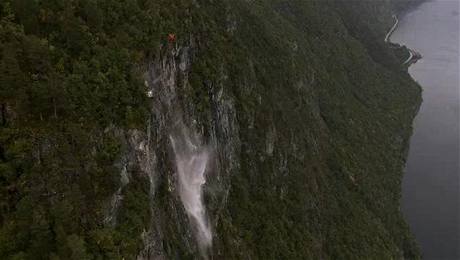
[{"x": 322, "y": 113}]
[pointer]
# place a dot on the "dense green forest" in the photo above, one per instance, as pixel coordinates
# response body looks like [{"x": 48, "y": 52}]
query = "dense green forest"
[{"x": 314, "y": 76}]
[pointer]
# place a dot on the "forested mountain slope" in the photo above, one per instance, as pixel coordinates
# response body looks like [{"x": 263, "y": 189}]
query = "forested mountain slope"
[{"x": 296, "y": 111}]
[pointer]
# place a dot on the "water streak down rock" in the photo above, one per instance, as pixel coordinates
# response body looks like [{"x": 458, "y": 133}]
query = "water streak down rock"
[{"x": 191, "y": 159}]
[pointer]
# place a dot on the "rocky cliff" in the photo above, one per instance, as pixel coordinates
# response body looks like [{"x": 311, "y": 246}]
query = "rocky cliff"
[{"x": 264, "y": 130}]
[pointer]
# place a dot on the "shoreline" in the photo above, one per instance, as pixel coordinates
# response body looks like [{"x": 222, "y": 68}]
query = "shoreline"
[
  {"x": 414, "y": 56},
  {"x": 433, "y": 157}
]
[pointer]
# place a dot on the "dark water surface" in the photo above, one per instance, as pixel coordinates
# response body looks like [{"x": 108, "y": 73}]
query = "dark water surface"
[{"x": 431, "y": 198}]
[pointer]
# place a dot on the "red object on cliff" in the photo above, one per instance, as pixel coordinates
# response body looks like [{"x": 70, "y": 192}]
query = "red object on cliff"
[{"x": 171, "y": 38}]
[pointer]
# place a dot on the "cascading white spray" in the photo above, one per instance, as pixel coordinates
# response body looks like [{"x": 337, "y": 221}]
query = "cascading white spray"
[{"x": 192, "y": 160}]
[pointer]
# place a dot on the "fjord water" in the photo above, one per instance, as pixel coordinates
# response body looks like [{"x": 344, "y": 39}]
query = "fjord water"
[{"x": 430, "y": 201}]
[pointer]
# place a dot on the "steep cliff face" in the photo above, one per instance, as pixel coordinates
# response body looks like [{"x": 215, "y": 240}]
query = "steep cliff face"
[
  {"x": 273, "y": 130},
  {"x": 192, "y": 147}
]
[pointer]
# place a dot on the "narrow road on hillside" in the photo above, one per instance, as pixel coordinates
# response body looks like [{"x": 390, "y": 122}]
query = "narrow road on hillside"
[
  {"x": 411, "y": 56},
  {"x": 387, "y": 37}
]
